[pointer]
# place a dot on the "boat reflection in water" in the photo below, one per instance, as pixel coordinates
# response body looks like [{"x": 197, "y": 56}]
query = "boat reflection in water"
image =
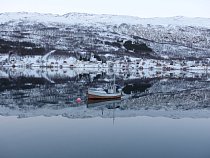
[{"x": 106, "y": 103}]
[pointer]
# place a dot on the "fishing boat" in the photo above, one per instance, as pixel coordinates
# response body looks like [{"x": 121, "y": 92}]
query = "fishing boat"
[
  {"x": 107, "y": 93},
  {"x": 102, "y": 93}
]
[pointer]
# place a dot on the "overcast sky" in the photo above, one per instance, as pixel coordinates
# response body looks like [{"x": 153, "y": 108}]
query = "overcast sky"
[{"x": 141, "y": 8}]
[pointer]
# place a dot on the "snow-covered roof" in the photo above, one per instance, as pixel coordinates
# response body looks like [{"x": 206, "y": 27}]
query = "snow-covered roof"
[{"x": 3, "y": 57}]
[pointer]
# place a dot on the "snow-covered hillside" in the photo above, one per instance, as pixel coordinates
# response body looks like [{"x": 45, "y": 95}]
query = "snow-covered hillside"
[
  {"x": 173, "y": 37},
  {"x": 90, "y": 19}
]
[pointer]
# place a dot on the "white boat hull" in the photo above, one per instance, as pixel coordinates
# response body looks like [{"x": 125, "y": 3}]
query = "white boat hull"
[{"x": 102, "y": 95}]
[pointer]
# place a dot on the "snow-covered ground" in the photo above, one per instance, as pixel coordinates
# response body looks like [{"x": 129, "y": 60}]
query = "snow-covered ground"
[
  {"x": 50, "y": 61},
  {"x": 83, "y": 112}
]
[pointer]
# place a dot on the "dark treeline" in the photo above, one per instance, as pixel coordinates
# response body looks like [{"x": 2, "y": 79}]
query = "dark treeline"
[{"x": 21, "y": 48}]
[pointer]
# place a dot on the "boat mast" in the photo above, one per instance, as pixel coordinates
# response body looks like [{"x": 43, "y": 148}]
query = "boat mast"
[{"x": 114, "y": 85}]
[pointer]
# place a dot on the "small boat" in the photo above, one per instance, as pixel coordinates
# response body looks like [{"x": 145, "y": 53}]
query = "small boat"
[
  {"x": 107, "y": 93},
  {"x": 102, "y": 93}
]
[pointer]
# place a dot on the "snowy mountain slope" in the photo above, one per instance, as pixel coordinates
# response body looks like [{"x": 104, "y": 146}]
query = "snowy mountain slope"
[
  {"x": 173, "y": 37},
  {"x": 89, "y": 19}
]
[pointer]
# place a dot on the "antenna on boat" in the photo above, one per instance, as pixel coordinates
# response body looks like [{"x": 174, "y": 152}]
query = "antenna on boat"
[
  {"x": 114, "y": 86},
  {"x": 114, "y": 78}
]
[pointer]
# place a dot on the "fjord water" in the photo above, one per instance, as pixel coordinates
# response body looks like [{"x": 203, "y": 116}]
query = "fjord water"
[
  {"x": 168, "y": 117},
  {"x": 98, "y": 137}
]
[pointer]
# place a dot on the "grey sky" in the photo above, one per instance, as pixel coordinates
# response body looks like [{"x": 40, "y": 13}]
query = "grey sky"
[{"x": 141, "y": 8}]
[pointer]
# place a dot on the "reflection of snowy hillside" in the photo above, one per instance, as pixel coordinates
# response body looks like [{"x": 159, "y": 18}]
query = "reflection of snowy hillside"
[
  {"x": 175, "y": 102},
  {"x": 48, "y": 92},
  {"x": 174, "y": 37}
]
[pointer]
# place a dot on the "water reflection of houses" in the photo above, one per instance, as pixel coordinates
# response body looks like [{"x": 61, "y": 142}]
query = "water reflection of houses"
[
  {"x": 50, "y": 75},
  {"x": 88, "y": 74}
]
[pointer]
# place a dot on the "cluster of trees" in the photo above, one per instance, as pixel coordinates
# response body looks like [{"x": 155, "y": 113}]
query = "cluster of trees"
[
  {"x": 21, "y": 48},
  {"x": 136, "y": 47}
]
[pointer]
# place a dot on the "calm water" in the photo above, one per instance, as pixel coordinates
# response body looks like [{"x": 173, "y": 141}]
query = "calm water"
[
  {"x": 97, "y": 137},
  {"x": 163, "y": 114}
]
